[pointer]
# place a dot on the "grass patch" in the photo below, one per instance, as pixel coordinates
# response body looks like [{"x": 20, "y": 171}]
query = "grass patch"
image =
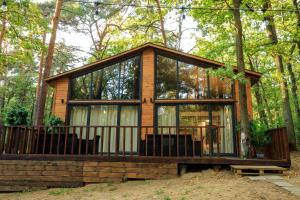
[
  {"x": 91, "y": 188},
  {"x": 159, "y": 192},
  {"x": 60, "y": 191},
  {"x": 167, "y": 198}
]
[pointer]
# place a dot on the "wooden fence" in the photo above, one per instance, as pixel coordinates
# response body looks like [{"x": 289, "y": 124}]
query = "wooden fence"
[{"x": 279, "y": 147}]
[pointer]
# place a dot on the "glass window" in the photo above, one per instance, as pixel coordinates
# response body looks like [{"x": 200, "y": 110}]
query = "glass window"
[
  {"x": 220, "y": 87},
  {"x": 128, "y": 117},
  {"x": 110, "y": 85},
  {"x": 118, "y": 81},
  {"x": 166, "y": 85},
  {"x": 192, "y": 81},
  {"x": 105, "y": 115},
  {"x": 129, "y": 79},
  {"x": 166, "y": 116},
  {"x": 176, "y": 79},
  {"x": 222, "y": 116},
  {"x": 198, "y": 117},
  {"x": 78, "y": 117},
  {"x": 193, "y": 115},
  {"x": 81, "y": 87}
]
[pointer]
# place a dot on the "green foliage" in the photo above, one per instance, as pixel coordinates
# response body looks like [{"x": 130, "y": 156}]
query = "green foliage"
[
  {"x": 16, "y": 115},
  {"x": 54, "y": 121},
  {"x": 258, "y": 136},
  {"x": 60, "y": 191}
]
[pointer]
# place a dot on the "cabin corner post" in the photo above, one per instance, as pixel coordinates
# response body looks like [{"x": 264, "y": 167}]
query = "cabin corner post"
[
  {"x": 147, "y": 112},
  {"x": 61, "y": 92}
]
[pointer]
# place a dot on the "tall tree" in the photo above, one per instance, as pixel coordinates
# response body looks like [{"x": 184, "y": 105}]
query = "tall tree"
[
  {"x": 278, "y": 58},
  {"x": 293, "y": 82},
  {"x": 258, "y": 97},
  {"x": 245, "y": 131},
  {"x": 162, "y": 26},
  {"x": 48, "y": 63}
]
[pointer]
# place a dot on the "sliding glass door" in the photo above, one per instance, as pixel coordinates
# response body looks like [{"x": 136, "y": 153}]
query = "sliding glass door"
[
  {"x": 200, "y": 117},
  {"x": 111, "y": 137},
  {"x": 129, "y": 131}
]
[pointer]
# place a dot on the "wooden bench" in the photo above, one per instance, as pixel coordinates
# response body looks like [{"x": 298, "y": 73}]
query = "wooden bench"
[{"x": 256, "y": 170}]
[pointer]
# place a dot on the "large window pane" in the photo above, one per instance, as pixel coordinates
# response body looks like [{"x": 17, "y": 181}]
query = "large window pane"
[
  {"x": 166, "y": 116},
  {"x": 166, "y": 85},
  {"x": 81, "y": 87},
  {"x": 198, "y": 117},
  {"x": 78, "y": 117},
  {"x": 118, "y": 81},
  {"x": 105, "y": 115},
  {"x": 128, "y": 135},
  {"x": 192, "y": 81},
  {"x": 220, "y": 87},
  {"x": 129, "y": 79},
  {"x": 110, "y": 86},
  {"x": 222, "y": 116}
]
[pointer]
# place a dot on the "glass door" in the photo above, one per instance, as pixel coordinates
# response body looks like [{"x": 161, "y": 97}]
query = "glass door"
[{"x": 129, "y": 132}]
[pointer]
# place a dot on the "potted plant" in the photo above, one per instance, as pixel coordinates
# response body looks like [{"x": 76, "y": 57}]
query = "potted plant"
[{"x": 259, "y": 139}]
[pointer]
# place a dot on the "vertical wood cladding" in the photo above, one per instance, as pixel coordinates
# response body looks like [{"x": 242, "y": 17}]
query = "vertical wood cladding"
[
  {"x": 147, "y": 87},
  {"x": 249, "y": 100},
  {"x": 61, "y": 92}
]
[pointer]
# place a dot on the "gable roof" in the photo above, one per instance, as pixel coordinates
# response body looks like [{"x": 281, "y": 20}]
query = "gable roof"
[{"x": 197, "y": 59}]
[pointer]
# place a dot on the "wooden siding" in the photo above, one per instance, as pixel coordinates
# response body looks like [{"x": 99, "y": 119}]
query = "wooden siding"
[
  {"x": 147, "y": 87},
  {"x": 59, "y": 108},
  {"x": 249, "y": 100},
  {"x": 21, "y": 174}
]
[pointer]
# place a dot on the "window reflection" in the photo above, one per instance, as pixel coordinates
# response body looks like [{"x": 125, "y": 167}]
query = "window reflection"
[
  {"x": 118, "y": 81},
  {"x": 81, "y": 87},
  {"x": 176, "y": 79},
  {"x": 192, "y": 81},
  {"x": 220, "y": 87},
  {"x": 166, "y": 86},
  {"x": 222, "y": 116}
]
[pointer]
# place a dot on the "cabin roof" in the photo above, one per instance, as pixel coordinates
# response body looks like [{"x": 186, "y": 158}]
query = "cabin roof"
[{"x": 191, "y": 58}]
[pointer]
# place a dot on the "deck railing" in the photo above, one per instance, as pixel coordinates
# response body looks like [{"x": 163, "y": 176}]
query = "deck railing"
[
  {"x": 166, "y": 141},
  {"x": 124, "y": 141}
]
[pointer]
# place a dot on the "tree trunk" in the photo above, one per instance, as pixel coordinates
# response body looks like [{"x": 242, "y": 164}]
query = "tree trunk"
[
  {"x": 162, "y": 28},
  {"x": 259, "y": 99},
  {"x": 38, "y": 87},
  {"x": 48, "y": 63},
  {"x": 270, "y": 115},
  {"x": 3, "y": 30},
  {"x": 297, "y": 12},
  {"x": 287, "y": 113},
  {"x": 245, "y": 130},
  {"x": 294, "y": 83}
]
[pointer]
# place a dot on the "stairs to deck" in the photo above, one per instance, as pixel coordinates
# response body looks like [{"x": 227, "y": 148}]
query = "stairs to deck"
[{"x": 256, "y": 170}]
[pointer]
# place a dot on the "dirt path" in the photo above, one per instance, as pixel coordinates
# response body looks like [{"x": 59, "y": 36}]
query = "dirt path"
[{"x": 203, "y": 185}]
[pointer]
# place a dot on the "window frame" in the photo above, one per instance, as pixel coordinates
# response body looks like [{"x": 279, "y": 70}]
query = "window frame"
[
  {"x": 210, "y": 105},
  {"x": 178, "y": 59},
  {"x": 118, "y": 63}
]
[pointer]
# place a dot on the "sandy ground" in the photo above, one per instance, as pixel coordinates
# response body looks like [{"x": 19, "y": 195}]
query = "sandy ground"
[{"x": 207, "y": 184}]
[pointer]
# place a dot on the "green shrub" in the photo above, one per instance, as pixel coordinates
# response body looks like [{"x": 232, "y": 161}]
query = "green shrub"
[
  {"x": 258, "y": 136},
  {"x": 16, "y": 115},
  {"x": 54, "y": 121}
]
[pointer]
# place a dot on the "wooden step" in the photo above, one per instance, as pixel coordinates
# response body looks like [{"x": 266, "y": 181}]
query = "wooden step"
[{"x": 256, "y": 170}]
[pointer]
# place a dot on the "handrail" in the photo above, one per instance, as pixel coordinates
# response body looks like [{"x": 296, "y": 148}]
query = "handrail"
[{"x": 163, "y": 141}]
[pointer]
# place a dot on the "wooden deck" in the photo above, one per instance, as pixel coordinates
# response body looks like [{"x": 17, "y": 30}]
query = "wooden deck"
[
  {"x": 38, "y": 158},
  {"x": 19, "y": 172}
]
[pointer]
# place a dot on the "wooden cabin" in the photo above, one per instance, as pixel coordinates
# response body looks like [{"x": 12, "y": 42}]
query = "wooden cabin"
[{"x": 139, "y": 114}]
